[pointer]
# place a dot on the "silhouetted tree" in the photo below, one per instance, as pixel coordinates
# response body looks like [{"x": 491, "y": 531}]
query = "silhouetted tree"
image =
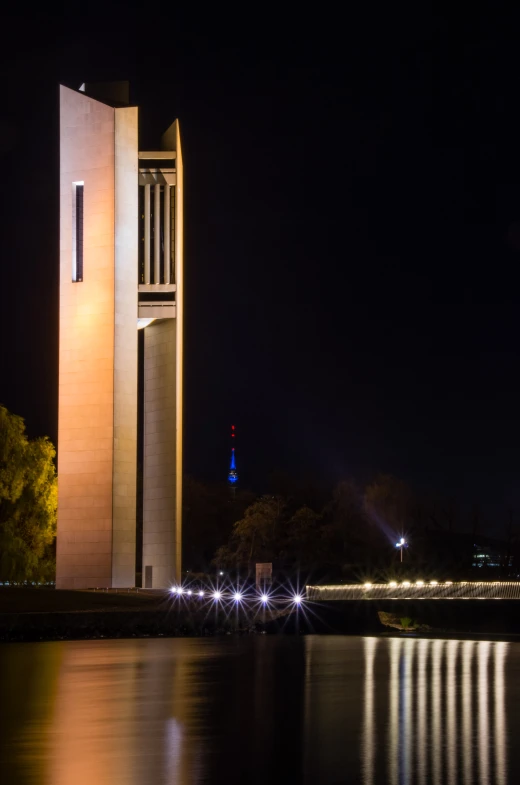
[
  {"x": 255, "y": 537},
  {"x": 304, "y": 543},
  {"x": 209, "y": 512}
]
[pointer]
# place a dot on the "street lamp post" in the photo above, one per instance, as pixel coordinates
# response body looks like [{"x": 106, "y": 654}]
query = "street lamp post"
[{"x": 401, "y": 544}]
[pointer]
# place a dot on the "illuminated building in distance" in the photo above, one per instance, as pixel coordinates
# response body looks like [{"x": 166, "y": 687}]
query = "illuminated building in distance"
[{"x": 121, "y": 269}]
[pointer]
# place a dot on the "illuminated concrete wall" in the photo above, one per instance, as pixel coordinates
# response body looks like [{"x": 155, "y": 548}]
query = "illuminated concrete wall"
[
  {"x": 98, "y": 347},
  {"x": 125, "y": 349},
  {"x": 159, "y": 486},
  {"x": 103, "y": 301}
]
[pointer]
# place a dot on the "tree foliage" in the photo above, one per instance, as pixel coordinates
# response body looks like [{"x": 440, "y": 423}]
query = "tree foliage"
[
  {"x": 355, "y": 530},
  {"x": 28, "y": 503},
  {"x": 256, "y": 536},
  {"x": 351, "y": 535},
  {"x": 209, "y": 512}
]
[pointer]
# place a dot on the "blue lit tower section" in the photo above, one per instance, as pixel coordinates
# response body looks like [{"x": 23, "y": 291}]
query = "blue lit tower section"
[{"x": 232, "y": 473}]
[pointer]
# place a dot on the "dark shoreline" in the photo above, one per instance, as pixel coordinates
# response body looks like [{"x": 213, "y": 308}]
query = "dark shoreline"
[
  {"x": 170, "y": 622},
  {"x": 188, "y": 622},
  {"x": 113, "y": 626},
  {"x": 41, "y": 615}
]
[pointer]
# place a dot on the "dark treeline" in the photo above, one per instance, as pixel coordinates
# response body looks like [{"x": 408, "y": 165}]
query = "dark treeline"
[{"x": 347, "y": 534}]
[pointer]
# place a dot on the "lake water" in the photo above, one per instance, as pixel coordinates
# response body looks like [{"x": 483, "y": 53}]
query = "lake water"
[{"x": 270, "y": 709}]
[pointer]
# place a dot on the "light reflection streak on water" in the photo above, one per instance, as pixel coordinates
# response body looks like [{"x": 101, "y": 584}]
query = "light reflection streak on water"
[
  {"x": 369, "y": 742},
  {"x": 436, "y": 710},
  {"x": 500, "y": 717},
  {"x": 174, "y": 743},
  {"x": 483, "y": 708},
  {"x": 467, "y": 711},
  {"x": 407, "y": 697},
  {"x": 393, "y": 713},
  {"x": 422, "y": 692},
  {"x": 451, "y": 711}
]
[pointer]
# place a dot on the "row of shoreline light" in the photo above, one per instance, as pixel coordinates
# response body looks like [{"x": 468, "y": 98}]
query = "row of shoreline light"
[
  {"x": 234, "y": 596},
  {"x": 406, "y": 584},
  {"x": 422, "y": 584}
]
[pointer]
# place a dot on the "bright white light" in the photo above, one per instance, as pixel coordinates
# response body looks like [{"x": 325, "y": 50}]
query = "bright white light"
[
  {"x": 448, "y": 583},
  {"x": 142, "y": 323},
  {"x": 174, "y": 590},
  {"x": 297, "y": 599},
  {"x": 264, "y": 598},
  {"x": 189, "y": 591},
  {"x": 180, "y": 590},
  {"x": 433, "y": 583},
  {"x": 201, "y": 594},
  {"x": 217, "y": 595},
  {"x": 368, "y": 585},
  {"x": 221, "y": 573},
  {"x": 406, "y": 584},
  {"x": 237, "y": 596},
  {"x": 402, "y": 540},
  {"x": 392, "y": 584},
  {"x": 419, "y": 583}
]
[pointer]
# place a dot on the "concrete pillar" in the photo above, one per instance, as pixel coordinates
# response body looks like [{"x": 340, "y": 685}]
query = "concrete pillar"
[
  {"x": 157, "y": 233},
  {"x": 160, "y": 519},
  {"x": 167, "y": 224},
  {"x": 147, "y": 234}
]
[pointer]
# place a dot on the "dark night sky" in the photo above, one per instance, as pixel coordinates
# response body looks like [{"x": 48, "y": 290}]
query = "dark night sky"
[{"x": 352, "y": 234}]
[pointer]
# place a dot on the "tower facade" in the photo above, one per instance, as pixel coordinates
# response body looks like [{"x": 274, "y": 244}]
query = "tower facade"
[{"x": 121, "y": 269}]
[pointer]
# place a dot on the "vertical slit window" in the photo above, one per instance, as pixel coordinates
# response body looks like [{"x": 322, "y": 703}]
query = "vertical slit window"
[
  {"x": 77, "y": 232},
  {"x": 171, "y": 260}
]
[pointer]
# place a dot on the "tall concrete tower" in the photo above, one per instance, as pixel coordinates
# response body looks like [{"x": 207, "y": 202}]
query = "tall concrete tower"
[{"x": 121, "y": 269}]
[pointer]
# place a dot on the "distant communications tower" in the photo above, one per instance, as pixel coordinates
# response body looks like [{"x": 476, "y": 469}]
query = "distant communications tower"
[{"x": 232, "y": 473}]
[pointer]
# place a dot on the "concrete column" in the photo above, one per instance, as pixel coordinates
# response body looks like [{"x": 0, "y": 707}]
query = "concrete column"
[
  {"x": 160, "y": 520},
  {"x": 125, "y": 349},
  {"x": 167, "y": 223},
  {"x": 157, "y": 233},
  {"x": 147, "y": 234},
  {"x": 86, "y": 361}
]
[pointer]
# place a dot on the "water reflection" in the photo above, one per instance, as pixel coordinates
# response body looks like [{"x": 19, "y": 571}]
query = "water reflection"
[
  {"x": 393, "y": 713},
  {"x": 431, "y": 711},
  {"x": 483, "y": 719},
  {"x": 451, "y": 711},
  {"x": 500, "y": 715},
  {"x": 467, "y": 708},
  {"x": 369, "y": 730},
  {"x": 120, "y": 715},
  {"x": 422, "y": 687},
  {"x": 436, "y": 711},
  {"x": 432, "y": 726},
  {"x": 319, "y": 709}
]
